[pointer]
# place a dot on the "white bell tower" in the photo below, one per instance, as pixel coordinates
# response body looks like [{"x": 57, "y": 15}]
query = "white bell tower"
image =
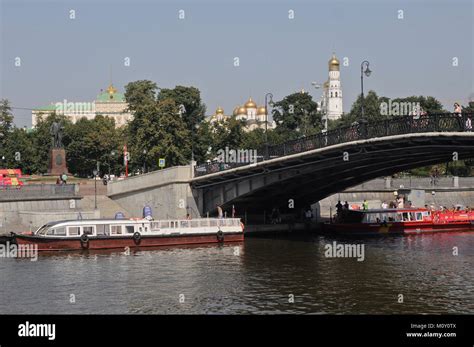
[{"x": 334, "y": 90}]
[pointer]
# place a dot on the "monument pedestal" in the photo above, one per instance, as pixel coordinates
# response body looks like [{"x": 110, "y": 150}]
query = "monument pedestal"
[{"x": 57, "y": 161}]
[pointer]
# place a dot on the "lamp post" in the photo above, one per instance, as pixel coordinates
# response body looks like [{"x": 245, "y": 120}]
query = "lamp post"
[
  {"x": 317, "y": 86},
  {"x": 144, "y": 160},
  {"x": 268, "y": 99},
  {"x": 367, "y": 72},
  {"x": 95, "y": 172},
  {"x": 112, "y": 154}
]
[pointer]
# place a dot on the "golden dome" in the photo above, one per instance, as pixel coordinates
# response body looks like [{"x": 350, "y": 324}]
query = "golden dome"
[
  {"x": 326, "y": 84},
  {"x": 262, "y": 111},
  {"x": 219, "y": 110},
  {"x": 111, "y": 90},
  {"x": 242, "y": 110},
  {"x": 333, "y": 63},
  {"x": 236, "y": 111},
  {"x": 250, "y": 104}
]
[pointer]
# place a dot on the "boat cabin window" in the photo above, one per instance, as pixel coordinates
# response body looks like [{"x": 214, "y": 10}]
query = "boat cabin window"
[
  {"x": 60, "y": 231},
  {"x": 42, "y": 230},
  {"x": 419, "y": 216},
  {"x": 116, "y": 229},
  {"x": 155, "y": 225},
  {"x": 103, "y": 229},
  {"x": 130, "y": 229},
  {"x": 184, "y": 224},
  {"x": 88, "y": 230},
  {"x": 74, "y": 231}
]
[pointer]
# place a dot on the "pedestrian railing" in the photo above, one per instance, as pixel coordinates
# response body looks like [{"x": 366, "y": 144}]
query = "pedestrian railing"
[
  {"x": 444, "y": 122},
  {"x": 46, "y": 191},
  {"x": 416, "y": 182}
]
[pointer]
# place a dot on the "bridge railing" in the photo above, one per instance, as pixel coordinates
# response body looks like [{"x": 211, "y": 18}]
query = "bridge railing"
[{"x": 443, "y": 122}]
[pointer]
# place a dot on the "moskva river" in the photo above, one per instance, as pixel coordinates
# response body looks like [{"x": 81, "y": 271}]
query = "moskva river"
[{"x": 263, "y": 275}]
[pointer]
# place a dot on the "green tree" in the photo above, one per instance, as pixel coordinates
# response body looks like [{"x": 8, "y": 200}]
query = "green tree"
[
  {"x": 469, "y": 108},
  {"x": 19, "y": 151},
  {"x": 140, "y": 94},
  {"x": 296, "y": 115},
  {"x": 189, "y": 103},
  {"x": 163, "y": 134},
  {"x": 91, "y": 142},
  {"x": 228, "y": 133}
]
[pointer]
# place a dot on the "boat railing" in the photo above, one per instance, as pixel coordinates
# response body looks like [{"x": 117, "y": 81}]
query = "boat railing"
[{"x": 195, "y": 223}]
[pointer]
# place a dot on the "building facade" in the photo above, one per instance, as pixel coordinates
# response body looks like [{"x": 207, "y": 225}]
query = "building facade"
[{"x": 109, "y": 103}]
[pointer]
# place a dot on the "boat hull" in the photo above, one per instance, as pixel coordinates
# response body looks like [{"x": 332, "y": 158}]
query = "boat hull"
[
  {"x": 398, "y": 228},
  {"x": 97, "y": 243}
]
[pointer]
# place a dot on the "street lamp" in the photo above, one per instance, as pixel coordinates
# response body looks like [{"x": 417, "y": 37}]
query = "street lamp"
[
  {"x": 317, "y": 86},
  {"x": 144, "y": 161},
  {"x": 367, "y": 72},
  {"x": 268, "y": 99},
  {"x": 95, "y": 172},
  {"x": 112, "y": 154}
]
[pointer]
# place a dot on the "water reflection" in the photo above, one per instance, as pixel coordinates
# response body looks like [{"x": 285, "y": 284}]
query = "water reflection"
[{"x": 261, "y": 275}]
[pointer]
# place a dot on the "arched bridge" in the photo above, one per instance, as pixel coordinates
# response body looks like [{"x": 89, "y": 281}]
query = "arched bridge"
[{"x": 309, "y": 169}]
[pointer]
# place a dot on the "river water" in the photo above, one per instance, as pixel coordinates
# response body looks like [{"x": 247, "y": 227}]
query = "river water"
[{"x": 262, "y": 275}]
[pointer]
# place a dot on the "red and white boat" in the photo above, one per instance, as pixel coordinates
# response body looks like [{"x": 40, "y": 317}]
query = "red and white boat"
[
  {"x": 121, "y": 233},
  {"x": 403, "y": 221}
]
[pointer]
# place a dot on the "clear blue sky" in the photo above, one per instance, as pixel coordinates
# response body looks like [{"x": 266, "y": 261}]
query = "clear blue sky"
[{"x": 71, "y": 59}]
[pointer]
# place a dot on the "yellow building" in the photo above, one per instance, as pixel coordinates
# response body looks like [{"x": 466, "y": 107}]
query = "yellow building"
[{"x": 108, "y": 103}]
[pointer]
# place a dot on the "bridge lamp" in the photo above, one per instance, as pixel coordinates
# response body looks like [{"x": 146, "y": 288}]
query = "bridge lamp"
[
  {"x": 320, "y": 107},
  {"x": 268, "y": 101},
  {"x": 364, "y": 70}
]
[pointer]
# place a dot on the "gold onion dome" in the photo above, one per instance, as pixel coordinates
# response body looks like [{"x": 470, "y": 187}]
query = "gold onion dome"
[
  {"x": 261, "y": 111},
  {"x": 250, "y": 104},
  {"x": 326, "y": 84},
  {"x": 219, "y": 110},
  {"x": 333, "y": 63},
  {"x": 236, "y": 111},
  {"x": 242, "y": 110},
  {"x": 111, "y": 90}
]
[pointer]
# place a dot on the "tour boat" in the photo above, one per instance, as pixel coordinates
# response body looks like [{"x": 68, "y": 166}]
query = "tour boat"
[
  {"x": 405, "y": 221},
  {"x": 121, "y": 233}
]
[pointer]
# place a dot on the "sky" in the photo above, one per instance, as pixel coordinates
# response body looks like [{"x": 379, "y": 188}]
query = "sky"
[{"x": 73, "y": 59}]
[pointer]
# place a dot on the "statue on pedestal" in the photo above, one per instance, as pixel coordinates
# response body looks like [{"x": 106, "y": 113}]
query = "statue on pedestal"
[
  {"x": 56, "y": 131},
  {"x": 57, "y": 154}
]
